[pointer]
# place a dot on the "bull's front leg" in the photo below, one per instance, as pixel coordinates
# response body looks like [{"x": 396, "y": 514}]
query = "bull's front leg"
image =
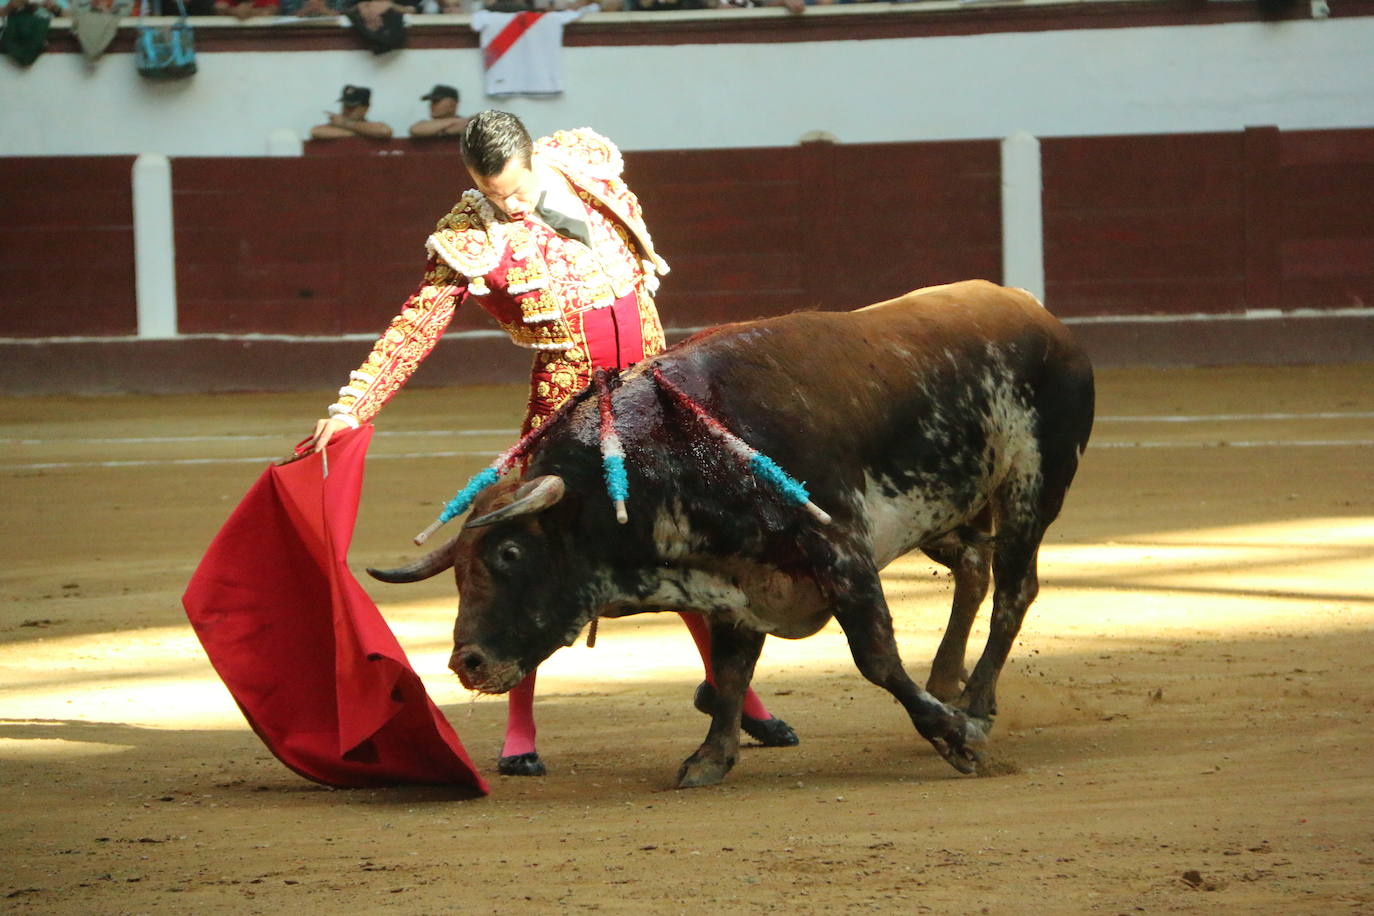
[
  {"x": 734, "y": 652},
  {"x": 863, "y": 614}
]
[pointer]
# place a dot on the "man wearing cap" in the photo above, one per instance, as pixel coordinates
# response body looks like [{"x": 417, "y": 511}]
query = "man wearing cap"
[
  {"x": 444, "y": 120},
  {"x": 351, "y": 120},
  {"x": 552, "y": 244}
]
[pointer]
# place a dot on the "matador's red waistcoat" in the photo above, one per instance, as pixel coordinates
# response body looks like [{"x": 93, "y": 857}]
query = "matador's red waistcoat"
[{"x": 534, "y": 282}]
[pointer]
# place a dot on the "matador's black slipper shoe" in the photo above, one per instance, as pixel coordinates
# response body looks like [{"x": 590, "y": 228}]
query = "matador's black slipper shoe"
[
  {"x": 521, "y": 765},
  {"x": 772, "y": 732}
]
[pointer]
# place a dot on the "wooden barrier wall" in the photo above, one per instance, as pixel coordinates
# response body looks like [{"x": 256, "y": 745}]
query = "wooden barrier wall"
[
  {"x": 331, "y": 244},
  {"x": 759, "y": 232},
  {"x": 1208, "y": 223},
  {"x": 334, "y": 244},
  {"x": 312, "y": 246},
  {"x": 1322, "y": 218},
  {"x": 1143, "y": 225},
  {"x": 67, "y": 247}
]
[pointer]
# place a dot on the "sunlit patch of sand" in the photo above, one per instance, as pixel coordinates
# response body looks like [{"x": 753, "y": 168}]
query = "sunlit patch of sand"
[
  {"x": 49, "y": 748},
  {"x": 1267, "y": 578}
]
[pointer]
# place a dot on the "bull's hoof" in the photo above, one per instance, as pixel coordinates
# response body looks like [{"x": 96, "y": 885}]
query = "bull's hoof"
[
  {"x": 963, "y": 758},
  {"x": 521, "y": 765},
  {"x": 962, "y": 745},
  {"x": 772, "y": 732},
  {"x": 698, "y": 771}
]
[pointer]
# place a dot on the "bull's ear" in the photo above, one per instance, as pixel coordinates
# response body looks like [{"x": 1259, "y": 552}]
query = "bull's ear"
[{"x": 532, "y": 497}]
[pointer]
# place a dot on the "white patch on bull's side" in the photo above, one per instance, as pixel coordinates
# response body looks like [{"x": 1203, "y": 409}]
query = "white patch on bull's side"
[
  {"x": 747, "y": 593},
  {"x": 1010, "y": 428},
  {"x": 696, "y": 589},
  {"x": 937, "y": 429},
  {"x": 902, "y": 519},
  {"x": 755, "y": 596},
  {"x": 673, "y": 536},
  {"x": 900, "y": 522}
]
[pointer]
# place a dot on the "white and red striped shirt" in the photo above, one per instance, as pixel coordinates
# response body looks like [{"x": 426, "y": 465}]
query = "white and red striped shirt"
[{"x": 521, "y": 51}]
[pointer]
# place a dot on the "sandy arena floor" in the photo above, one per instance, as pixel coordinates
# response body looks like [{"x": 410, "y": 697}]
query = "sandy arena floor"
[{"x": 1187, "y": 720}]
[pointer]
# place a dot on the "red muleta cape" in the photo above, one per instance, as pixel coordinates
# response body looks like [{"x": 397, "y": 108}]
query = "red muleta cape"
[{"x": 300, "y": 645}]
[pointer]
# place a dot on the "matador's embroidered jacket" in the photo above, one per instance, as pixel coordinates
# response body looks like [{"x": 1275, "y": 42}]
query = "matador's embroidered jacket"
[{"x": 533, "y": 281}]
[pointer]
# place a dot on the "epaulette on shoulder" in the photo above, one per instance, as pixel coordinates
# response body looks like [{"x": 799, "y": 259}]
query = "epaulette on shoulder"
[
  {"x": 464, "y": 239},
  {"x": 472, "y": 210},
  {"x": 585, "y": 149}
]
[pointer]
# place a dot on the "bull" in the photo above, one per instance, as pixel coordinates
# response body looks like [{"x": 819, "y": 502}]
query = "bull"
[{"x": 951, "y": 419}]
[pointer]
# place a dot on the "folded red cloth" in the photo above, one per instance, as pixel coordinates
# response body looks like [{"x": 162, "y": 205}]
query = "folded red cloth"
[{"x": 301, "y": 646}]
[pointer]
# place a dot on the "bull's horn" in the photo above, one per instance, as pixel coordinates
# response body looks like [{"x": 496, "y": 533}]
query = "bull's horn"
[
  {"x": 436, "y": 561},
  {"x": 532, "y": 497}
]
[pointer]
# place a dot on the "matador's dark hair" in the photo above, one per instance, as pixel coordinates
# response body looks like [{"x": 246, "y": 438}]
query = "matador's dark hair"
[{"x": 492, "y": 139}]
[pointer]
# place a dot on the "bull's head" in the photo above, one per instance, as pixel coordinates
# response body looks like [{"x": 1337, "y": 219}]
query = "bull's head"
[
  {"x": 516, "y": 606},
  {"x": 538, "y": 559}
]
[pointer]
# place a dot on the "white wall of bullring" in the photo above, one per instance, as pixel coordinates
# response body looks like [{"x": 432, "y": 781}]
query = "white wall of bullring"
[{"x": 1296, "y": 75}]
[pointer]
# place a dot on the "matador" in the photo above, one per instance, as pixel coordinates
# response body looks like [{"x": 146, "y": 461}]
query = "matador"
[{"x": 553, "y": 245}]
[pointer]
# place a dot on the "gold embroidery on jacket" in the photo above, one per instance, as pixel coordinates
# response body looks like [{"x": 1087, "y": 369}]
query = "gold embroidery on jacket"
[{"x": 408, "y": 339}]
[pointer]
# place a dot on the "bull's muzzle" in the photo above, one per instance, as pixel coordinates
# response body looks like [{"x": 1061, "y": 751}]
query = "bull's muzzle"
[{"x": 477, "y": 671}]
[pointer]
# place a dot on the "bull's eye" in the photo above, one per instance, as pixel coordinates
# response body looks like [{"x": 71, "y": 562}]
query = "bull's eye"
[{"x": 510, "y": 554}]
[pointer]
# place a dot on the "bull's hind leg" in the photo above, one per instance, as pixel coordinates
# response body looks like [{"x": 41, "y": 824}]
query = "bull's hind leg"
[
  {"x": 1016, "y": 585},
  {"x": 734, "y": 652},
  {"x": 967, "y": 554},
  {"x": 1028, "y": 501},
  {"x": 867, "y": 624},
  {"x": 1024, "y": 506}
]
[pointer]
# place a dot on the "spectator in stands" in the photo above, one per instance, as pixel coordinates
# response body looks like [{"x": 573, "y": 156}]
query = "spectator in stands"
[
  {"x": 309, "y": 9},
  {"x": 444, "y": 120},
  {"x": 351, "y": 120},
  {"x": 52, "y": 6},
  {"x": 96, "y": 22},
  {"x": 544, "y": 6},
  {"x": 25, "y": 32},
  {"x": 380, "y": 24},
  {"x": 248, "y": 9},
  {"x": 796, "y": 6}
]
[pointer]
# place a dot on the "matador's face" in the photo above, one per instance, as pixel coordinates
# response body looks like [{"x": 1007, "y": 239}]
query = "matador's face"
[{"x": 514, "y": 191}]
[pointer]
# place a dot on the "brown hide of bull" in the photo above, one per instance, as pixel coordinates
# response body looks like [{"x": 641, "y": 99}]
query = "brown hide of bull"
[{"x": 950, "y": 419}]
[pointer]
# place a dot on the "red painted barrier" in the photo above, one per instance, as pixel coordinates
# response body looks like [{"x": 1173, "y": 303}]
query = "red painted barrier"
[
  {"x": 332, "y": 243},
  {"x": 67, "y": 247}
]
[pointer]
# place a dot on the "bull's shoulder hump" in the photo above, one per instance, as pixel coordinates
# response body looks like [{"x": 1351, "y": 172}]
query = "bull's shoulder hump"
[
  {"x": 965, "y": 296},
  {"x": 963, "y": 290}
]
